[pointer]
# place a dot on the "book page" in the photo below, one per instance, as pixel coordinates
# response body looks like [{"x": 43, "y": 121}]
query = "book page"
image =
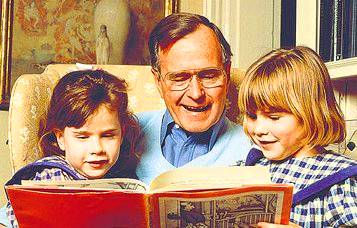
[
  {"x": 235, "y": 207},
  {"x": 210, "y": 178},
  {"x": 111, "y": 184}
]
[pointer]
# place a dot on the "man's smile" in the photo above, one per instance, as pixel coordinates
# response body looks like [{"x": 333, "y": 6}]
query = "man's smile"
[{"x": 197, "y": 109}]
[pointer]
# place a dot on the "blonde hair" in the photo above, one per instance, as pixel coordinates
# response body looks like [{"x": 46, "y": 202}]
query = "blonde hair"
[{"x": 295, "y": 81}]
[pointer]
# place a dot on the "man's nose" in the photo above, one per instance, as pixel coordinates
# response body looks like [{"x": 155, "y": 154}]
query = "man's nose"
[{"x": 195, "y": 88}]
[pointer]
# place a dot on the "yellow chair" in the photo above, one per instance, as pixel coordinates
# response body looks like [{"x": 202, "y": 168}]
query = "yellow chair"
[{"x": 31, "y": 94}]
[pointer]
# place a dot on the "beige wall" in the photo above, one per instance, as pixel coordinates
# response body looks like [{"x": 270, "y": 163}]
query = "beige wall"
[
  {"x": 4, "y": 155},
  {"x": 190, "y": 6}
]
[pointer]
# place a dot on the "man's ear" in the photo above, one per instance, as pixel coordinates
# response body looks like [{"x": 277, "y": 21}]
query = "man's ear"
[
  {"x": 60, "y": 139},
  {"x": 157, "y": 81},
  {"x": 227, "y": 69},
  {"x": 123, "y": 129}
]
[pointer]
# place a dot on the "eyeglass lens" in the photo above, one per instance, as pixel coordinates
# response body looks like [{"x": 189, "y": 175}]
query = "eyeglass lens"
[{"x": 210, "y": 77}]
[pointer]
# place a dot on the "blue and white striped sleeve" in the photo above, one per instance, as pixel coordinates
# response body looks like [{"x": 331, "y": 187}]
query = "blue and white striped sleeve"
[{"x": 46, "y": 174}]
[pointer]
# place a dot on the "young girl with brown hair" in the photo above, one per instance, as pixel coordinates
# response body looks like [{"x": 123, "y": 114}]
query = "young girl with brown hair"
[{"x": 89, "y": 132}]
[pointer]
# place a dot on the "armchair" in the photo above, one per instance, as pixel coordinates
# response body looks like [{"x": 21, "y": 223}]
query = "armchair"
[{"x": 31, "y": 94}]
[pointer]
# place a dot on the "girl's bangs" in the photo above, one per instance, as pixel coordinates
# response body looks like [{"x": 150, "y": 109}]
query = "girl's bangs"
[
  {"x": 267, "y": 92},
  {"x": 77, "y": 115}
]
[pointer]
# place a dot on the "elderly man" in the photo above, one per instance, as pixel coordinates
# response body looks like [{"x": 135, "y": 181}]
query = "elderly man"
[{"x": 190, "y": 62}]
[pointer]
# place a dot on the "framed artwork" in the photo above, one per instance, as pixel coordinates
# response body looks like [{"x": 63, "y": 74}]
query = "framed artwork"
[{"x": 35, "y": 33}]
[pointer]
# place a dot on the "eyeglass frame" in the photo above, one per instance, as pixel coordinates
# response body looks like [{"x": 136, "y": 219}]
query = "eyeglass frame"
[{"x": 196, "y": 72}]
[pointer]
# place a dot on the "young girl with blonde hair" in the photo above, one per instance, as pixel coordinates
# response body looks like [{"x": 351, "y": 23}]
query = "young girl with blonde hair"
[{"x": 291, "y": 114}]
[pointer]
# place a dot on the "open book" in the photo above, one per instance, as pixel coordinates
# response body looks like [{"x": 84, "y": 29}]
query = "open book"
[{"x": 183, "y": 197}]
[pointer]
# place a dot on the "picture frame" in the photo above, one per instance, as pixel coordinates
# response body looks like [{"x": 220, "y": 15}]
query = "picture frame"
[
  {"x": 5, "y": 49},
  {"x": 61, "y": 35}
]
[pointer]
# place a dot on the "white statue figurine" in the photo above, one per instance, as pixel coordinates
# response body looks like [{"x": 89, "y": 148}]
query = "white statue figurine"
[{"x": 102, "y": 46}]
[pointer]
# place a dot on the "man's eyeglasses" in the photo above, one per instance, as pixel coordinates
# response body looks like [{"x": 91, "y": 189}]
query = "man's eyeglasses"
[{"x": 208, "y": 77}]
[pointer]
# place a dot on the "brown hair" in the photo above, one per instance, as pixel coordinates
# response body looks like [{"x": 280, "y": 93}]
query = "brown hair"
[
  {"x": 76, "y": 97},
  {"x": 297, "y": 81},
  {"x": 176, "y": 26}
]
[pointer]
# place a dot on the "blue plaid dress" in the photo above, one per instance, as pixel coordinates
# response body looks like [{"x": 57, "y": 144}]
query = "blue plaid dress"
[
  {"x": 51, "y": 173},
  {"x": 332, "y": 208}
]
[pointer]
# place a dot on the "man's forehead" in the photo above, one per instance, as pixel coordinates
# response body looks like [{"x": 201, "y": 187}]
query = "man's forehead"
[
  {"x": 198, "y": 49},
  {"x": 199, "y": 36}
]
